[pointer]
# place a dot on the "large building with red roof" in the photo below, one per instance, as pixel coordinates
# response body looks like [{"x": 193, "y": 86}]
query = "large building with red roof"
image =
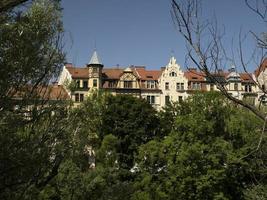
[{"x": 169, "y": 83}]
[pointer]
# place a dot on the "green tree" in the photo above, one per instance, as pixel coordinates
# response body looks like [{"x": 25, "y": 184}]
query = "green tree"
[
  {"x": 115, "y": 127},
  {"x": 133, "y": 121},
  {"x": 30, "y": 51},
  {"x": 33, "y": 139},
  {"x": 207, "y": 155}
]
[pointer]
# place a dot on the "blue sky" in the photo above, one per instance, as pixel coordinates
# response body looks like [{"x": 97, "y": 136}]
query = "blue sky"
[{"x": 141, "y": 32}]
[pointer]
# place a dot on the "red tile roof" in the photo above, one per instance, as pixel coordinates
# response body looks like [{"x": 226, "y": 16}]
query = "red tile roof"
[
  {"x": 115, "y": 73},
  {"x": 111, "y": 73},
  {"x": 50, "y": 92},
  {"x": 193, "y": 75},
  {"x": 56, "y": 92},
  {"x": 147, "y": 74},
  {"x": 77, "y": 72},
  {"x": 246, "y": 77},
  {"x": 143, "y": 74}
]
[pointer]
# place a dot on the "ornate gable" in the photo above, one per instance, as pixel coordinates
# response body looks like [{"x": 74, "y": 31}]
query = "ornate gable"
[
  {"x": 128, "y": 75},
  {"x": 172, "y": 71}
]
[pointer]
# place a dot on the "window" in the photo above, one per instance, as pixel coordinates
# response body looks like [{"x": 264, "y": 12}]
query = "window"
[
  {"x": 167, "y": 99},
  {"x": 95, "y": 70},
  {"x": 95, "y": 83},
  {"x": 172, "y": 74},
  {"x": 111, "y": 84},
  {"x": 77, "y": 97},
  {"x": 263, "y": 87},
  {"x": 248, "y": 88},
  {"x": 150, "y": 84},
  {"x": 167, "y": 86},
  {"x": 180, "y": 99},
  {"x": 182, "y": 86},
  {"x": 236, "y": 86},
  {"x": 81, "y": 97},
  {"x": 179, "y": 86},
  {"x": 128, "y": 84},
  {"x": 196, "y": 86},
  {"x": 78, "y": 83},
  {"x": 150, "y": 99},
  {"x": 85, "y": 84}
]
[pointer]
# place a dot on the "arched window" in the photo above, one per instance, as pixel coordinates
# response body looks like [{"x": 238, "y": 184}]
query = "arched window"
[{"x": 173, "y": 74}]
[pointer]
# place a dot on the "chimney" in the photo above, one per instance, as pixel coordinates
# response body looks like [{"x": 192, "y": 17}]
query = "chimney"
[{"x": 162, "y": 68}]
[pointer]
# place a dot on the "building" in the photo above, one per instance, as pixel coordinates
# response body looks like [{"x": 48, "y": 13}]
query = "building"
[{"x": 158, "y": 87}]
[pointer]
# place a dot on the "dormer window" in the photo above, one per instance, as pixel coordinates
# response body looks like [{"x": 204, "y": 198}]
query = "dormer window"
[
  {"x": 150, "y": 84},
  {"x": 173, "y": 74},
  {"x": 128, "y": 84},
  {"x": 248, "y": 88}
]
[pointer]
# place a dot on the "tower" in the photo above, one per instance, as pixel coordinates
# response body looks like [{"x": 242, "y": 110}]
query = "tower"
[{"x": 95, "y": 71}]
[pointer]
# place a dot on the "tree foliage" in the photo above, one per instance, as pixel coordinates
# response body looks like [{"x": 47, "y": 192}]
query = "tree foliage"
[
  {"x": 32, "y": 138},
  {"x": 30, "y": 51},
  {"x": 113, "y": 147},
  {"x": 208, "y": 153},
  {"x": 205, "y": 156},
  {"x": 132, "y": 121}
]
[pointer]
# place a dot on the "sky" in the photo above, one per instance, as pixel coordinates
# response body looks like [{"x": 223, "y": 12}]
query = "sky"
[{"x": 142, "y": 33}]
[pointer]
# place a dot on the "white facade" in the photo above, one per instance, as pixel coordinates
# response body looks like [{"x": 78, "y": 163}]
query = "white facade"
[
  {"x": 153, "y": 98},
  {"x": 65, "y": 78},
  {"x": 158, "y": 87},
  {"x": 172, "y": 83}
]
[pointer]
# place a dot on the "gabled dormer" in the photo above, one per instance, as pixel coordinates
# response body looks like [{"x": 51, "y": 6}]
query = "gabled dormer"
[
  {"x": 233, "y": 76},
  {"x": 233, "y": 80},
  {"x": 128, "y": 79}
]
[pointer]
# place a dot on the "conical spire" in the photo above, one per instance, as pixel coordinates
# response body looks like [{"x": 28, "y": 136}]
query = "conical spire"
[{"x": 95, "y": 59}]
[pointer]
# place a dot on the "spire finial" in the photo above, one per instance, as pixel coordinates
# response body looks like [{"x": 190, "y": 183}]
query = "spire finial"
[
  {"x": 95, "y": 59},
  {"x": 172, "y": 53},
  {"x": 95, "y": 46}
]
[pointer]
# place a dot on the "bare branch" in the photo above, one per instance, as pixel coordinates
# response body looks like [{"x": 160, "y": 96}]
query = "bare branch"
[{"x": 259, "y": 8}]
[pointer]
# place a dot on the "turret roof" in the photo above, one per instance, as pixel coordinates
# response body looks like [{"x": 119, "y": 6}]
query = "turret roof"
[{"x": 95, "y": 59}]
